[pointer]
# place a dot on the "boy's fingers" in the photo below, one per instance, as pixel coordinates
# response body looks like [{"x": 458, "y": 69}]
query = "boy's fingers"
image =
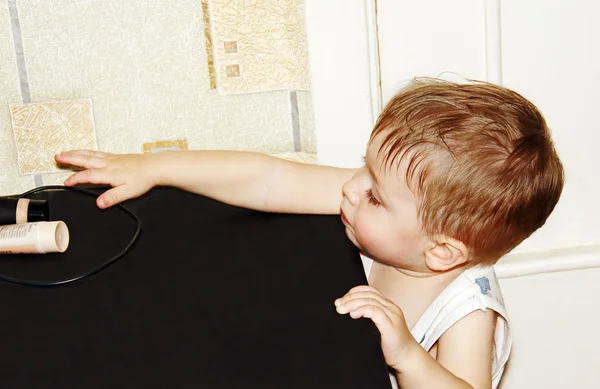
[
  {"x": 353, "y": 304},
  {"x": 87, "y": 176},
  {"x": 92, "y": 153},
  {"x": 379, "y": 316},
  {"x": 115, "y": 195},
  {"x": 84, "y": 160},
  {"x": 362, "y": 295}
]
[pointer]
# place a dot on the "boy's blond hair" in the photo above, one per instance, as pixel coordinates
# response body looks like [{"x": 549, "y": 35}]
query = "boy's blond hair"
[{"x": 480, "y": 159}]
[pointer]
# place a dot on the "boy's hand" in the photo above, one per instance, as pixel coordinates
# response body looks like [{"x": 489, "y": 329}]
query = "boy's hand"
[
  {"x": 127, "y": 174},
  {"x": 396, "y": 339}
]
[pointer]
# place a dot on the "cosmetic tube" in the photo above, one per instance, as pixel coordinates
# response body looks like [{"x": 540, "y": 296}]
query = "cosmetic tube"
[
  {"x": 19, "y": 211},
  {"x": 34, "y": 238}
]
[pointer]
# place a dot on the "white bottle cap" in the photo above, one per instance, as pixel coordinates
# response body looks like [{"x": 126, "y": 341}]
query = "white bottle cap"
[{"x": 53, "y": 237}]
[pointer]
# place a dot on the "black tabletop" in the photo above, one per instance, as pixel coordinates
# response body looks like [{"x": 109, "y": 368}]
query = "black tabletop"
[{"x": 210, "y": 296}]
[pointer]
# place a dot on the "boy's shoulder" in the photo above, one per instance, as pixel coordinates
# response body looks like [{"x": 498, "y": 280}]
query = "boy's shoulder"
[
  {"x": 472, "y": 304},
  {"x": 476, "y": 288}
]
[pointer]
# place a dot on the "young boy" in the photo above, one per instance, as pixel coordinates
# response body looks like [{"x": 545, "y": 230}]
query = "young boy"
[{"x": 455, "y": 176}]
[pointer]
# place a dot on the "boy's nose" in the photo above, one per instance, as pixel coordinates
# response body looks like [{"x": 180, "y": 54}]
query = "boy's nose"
[{"x": 350, "y": 190}]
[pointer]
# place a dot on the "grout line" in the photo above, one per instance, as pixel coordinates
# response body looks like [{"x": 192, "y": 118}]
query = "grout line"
[
  {"x": 208, "y": 43},
  {"x": 20, "y": 54},
  {"x": 295, "y": 121},
  {"x": 493, "y": 42},
  {"x": 374, "y": 59},
  {"x": 38, "y": 180},
  {"x": 21, "y": 64}
]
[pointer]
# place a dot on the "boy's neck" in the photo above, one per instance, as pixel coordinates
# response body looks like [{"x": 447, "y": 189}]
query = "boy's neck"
[
  {"x": 437, "y": 275},
  {"x": 412, "y": 291}
]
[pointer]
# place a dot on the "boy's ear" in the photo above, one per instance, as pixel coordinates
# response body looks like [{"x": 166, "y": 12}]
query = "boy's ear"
[{"x": 446, "y": 253}]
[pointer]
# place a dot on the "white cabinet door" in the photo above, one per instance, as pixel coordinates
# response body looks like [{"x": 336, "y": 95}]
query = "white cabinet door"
[
  {"x": 339, "y": 58},
  {"x": 430, "y": 38},
  {"x": 551, "y": 54},
  {"x": 555, "y": 330}
]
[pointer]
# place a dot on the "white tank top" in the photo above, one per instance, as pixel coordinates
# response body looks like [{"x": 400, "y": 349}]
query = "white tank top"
[{"x": 476, "y": 288}]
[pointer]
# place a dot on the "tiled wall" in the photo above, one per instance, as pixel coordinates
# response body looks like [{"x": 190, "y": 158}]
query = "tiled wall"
[{"x": 147, "y": 75}]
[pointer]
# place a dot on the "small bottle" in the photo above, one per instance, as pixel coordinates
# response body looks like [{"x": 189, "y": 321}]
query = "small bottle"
[
  {"x": 34, "y": 238},
  {"x": 19, "y": 211}
]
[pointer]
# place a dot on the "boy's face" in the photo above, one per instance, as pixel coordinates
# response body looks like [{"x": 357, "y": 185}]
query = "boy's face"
[{"x": 380, "y": 213}]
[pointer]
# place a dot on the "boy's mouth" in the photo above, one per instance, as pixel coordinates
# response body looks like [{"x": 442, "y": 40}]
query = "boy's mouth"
[{"x": 344, "y": 220}]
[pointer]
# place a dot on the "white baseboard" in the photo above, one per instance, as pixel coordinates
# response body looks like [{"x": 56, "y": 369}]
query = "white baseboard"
[{"x": 567, "y": 259}]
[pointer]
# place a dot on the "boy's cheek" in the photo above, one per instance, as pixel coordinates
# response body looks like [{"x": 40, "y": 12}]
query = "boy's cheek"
[{"x": 366, "y": 240}]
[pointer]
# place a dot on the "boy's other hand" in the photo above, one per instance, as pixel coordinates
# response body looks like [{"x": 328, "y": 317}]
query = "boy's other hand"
[
  {"x": 126, "y": 173},
  {"x": 396, "y": 340}
]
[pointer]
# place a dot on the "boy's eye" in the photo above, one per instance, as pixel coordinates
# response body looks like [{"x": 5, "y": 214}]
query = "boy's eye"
[{"x": 372, "y": 199}]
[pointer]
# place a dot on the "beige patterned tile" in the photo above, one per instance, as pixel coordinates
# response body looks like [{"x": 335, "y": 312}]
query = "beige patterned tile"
[
  {"x": 230, "y": 47},
  {"x": 57, "y": 178},
  {"x": 143, "y": 64},
  {"x": 253, "y": 122},
  {"x": 259, "y": 45},
  {"x": 42, "y": 130},
  {"x": 145, "y": 69}
]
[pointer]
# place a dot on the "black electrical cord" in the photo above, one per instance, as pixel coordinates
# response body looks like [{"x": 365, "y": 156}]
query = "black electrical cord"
[{"x": 92, "y": 271}]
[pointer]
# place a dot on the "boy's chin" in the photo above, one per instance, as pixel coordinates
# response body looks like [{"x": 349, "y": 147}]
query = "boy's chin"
[{"x": 352, "y": 238}]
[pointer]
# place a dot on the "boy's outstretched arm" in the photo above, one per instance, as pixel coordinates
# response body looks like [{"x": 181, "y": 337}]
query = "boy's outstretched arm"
[{"x": 244, "y": 179}]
